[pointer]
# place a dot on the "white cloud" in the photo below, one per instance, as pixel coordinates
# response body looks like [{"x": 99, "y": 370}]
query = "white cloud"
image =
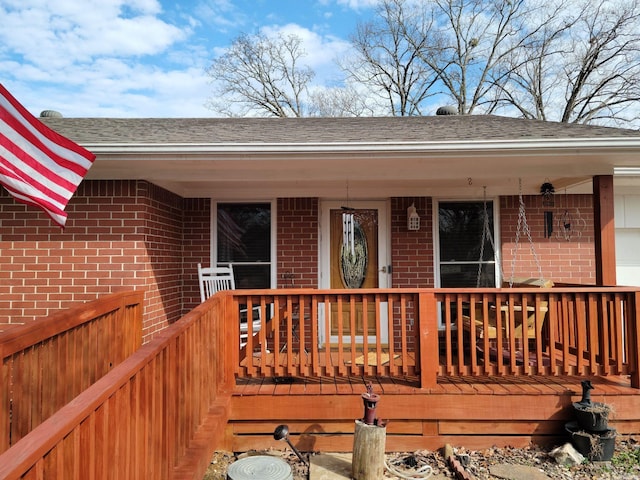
[
  {"x": 106, "y": 58},
  {"x": 55, "y": 34},
  {"x": 128, "y": 58},
  {"x": 358, "y": 4}
]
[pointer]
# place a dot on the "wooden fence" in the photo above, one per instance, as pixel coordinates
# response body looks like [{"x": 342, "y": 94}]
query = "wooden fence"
[
  {"x": 158, "y": 414},
  {"x": 48, "y": 362}
]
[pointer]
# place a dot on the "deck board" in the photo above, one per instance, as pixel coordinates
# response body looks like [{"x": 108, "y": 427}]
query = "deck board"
[{"x": 499, "y": 385}]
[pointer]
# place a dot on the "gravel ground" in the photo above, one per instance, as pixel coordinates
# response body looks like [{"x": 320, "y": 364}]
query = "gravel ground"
[{"x": 625, "y": 464}]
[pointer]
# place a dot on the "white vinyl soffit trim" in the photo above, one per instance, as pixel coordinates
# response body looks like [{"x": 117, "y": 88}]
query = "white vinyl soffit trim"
[{"x": 576, "y": 144}]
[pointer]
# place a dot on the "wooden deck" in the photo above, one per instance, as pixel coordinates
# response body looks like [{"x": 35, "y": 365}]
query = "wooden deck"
[
  {"x": 475, "y": 412},
  {"x": 193, "y": 389}
]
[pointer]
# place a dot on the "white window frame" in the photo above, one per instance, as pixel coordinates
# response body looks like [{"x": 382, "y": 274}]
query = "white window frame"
[{"x": 273, "y": 231}]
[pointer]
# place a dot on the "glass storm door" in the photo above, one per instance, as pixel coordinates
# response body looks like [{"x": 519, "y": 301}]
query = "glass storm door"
[{"x": 355, "y": 257}]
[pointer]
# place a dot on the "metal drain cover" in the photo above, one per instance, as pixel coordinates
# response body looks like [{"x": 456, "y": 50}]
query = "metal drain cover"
[{"x": 263, "y": 467}]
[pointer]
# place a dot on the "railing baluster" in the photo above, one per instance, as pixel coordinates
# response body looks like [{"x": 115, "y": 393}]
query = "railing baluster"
[
  {"x": 619, "y": 334},
  {"x": 277, "y": 313},
  {"x": 329, "y": 367},
  {"x": 393, "y": 368},
  {"x": 633, "y": 322},
  {"x": 447, "y": 332},
  {"x": 352, "y": 337},
  {"x": 378, "y": 327},
  {"x": 403, "y": 337},
  {"x": 592, "y": 332},
  {"x": 581, "y": 334},
  {"x": 313, "y": 347},
  {"x": 539, "y": 316}
]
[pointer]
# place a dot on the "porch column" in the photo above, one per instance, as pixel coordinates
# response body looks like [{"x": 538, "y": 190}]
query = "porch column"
[{"x": 604, "y": 230}]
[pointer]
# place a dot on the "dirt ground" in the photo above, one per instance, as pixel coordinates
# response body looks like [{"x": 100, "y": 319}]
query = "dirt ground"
[{"x": 625, "y": 464}]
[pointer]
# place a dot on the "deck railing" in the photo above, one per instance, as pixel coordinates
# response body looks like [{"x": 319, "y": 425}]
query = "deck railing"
[
  {"x": 158, "y": 414},
  {"x": 46, "y": 363},
  {"x": 162, "y": 411},
  {"x": 431, "y": 332}
]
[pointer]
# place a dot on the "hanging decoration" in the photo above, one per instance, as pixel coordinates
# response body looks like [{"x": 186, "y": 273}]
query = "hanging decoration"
[
  {"x": 354, "y": 256},
  {"x": 547, "y": 191},
  {"x": 548, "y": 224},
  {"x": 347, "y": 231},
  {"x": 570, "y": 225},
  {"x": 354, "y": 251},
  {"x": 347, "y": 226}
]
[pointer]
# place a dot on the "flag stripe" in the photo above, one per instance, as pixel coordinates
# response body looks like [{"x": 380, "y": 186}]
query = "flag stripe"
[
  {"x": 14, "y": 187},
  {"x": 67, "y": 153},
  {"x": 38, "y": 166},
  {"x": 57, "y": 195},
  {"x": 26, "y": 157}
]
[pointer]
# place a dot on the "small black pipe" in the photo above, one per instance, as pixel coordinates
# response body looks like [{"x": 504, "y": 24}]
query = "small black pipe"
[{"x": 282, "y": 433}]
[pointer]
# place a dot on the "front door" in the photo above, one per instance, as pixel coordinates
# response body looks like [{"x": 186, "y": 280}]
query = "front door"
[{"x": 355, "y": 256}]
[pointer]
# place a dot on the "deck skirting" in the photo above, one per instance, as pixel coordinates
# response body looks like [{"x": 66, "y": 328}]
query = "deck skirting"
[{"x": 473, "y": 412}]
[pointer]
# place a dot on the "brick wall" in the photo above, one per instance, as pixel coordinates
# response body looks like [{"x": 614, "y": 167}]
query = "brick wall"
[
  {"x": 411, "y": 251},
  {"x": 119, "y": 235},
  {"x": 196, "y": 247},
  {"x": 562, "y": 260},
  {"x": 163, "y": 243},
  {"x": 297, "y": 242},
  {"x": 134, "y": 235}
]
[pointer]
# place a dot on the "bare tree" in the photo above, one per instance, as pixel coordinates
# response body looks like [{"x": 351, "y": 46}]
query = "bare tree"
[
  {"x": 583, "y": 69},
  {"x": 387, "y": 56},
  {"x": 339, "y": 102},
  {"x": 480, "y": 39},
  {"x": 261, "y": 75}
]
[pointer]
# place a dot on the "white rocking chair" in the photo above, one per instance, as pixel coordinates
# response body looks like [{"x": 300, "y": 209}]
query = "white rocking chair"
[{"x": 215, "y": 279}]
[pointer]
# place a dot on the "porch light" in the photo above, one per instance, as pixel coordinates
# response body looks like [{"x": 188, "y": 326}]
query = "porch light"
[{"x": 413, "y": 219}]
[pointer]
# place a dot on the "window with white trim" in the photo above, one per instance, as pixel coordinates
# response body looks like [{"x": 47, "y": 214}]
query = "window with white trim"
[{"x": 243, "y": 238}]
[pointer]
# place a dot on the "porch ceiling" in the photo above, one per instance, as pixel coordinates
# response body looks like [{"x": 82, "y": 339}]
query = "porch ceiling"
[{"x": 282, "y": 171}]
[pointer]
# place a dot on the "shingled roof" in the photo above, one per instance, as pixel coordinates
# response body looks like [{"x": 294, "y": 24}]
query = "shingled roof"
[{"x": 450, "y": 128}]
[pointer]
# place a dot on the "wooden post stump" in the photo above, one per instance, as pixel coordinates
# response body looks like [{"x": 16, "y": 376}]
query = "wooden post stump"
[{"x": 368, "y": 451}]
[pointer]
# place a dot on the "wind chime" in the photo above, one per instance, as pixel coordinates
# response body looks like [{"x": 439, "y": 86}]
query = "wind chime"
[
  {"x": 547, "y": 191},
  {"x": 348, "y": 227},
  {"x": 348, "y": 238}
]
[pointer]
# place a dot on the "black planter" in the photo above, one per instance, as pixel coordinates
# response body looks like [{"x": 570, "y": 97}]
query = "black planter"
[
  {"x": 593, "y": 417},
  {"x": 596, "y": 446}
]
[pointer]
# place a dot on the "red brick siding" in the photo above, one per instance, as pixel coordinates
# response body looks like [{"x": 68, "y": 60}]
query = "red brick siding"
[
  {"x": 119, "y": 235},
  {"x": 163, "y": 232},
  {"x": 45, "y": 268},
  {"x": 561, "y": 260},
  {"x": 132, "y": 234},
  {"x": 411, "y": 251},
  {"x": 297, "y": 242},
  {"x": 197, "y": 247}
]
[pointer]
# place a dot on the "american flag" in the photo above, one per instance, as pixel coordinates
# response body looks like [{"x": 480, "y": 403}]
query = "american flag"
[{"x": 37, "y": 165}]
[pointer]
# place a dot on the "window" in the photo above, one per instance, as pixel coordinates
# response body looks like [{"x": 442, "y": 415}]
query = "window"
[
  {"x": 460, "y": 227},
  {"x": 243, "y": 238}
]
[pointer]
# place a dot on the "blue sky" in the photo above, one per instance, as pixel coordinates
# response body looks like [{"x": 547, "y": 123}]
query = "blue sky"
[{"x": 148, "y": 58}]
